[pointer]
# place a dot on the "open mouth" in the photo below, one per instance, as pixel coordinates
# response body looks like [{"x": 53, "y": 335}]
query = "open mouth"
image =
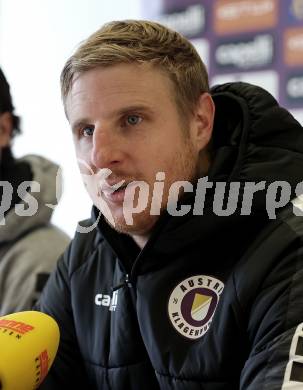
[
  {"x": 115, "y": 192},
  {"x": 119, "y": 188}
]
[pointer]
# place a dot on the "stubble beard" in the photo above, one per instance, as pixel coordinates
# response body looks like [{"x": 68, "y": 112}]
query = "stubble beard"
[{"x": 186, "y": 169}]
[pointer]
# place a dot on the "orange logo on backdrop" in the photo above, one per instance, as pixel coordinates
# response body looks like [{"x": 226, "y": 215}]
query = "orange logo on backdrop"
[
  {"x": 293, "y": 46},
  {"x": 232, "y": 16},
  {"x": 16, "y": 326}
]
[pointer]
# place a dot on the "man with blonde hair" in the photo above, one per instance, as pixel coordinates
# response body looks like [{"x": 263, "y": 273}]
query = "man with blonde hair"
[{"x": 188, "y": 274}]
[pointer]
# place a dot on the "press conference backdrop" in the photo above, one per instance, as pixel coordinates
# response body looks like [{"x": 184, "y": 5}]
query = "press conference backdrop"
[{"x": 258, "y": 41}]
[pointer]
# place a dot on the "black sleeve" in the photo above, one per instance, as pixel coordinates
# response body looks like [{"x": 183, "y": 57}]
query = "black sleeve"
[
  {"x": 68, "y": 369},
  {"x": 275, "y": 330}
]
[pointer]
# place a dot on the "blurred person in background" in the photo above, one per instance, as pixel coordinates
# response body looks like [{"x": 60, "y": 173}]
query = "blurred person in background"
[{"x": 29, "y": 244}]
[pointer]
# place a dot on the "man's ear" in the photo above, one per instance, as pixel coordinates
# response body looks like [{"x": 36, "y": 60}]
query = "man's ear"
[
  {"x": 6, "y": 128},
  {"x": 203, "y": 121}
]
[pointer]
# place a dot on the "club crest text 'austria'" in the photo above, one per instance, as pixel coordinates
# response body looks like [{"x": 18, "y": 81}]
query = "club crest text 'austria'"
[{"x": 192, "y": 304}]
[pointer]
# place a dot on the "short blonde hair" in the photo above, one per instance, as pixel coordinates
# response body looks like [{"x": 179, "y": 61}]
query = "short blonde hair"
[{"x": 142, "y": 41}]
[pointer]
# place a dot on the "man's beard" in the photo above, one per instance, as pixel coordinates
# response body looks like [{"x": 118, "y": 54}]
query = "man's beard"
[{"x": 185, "y": 169}]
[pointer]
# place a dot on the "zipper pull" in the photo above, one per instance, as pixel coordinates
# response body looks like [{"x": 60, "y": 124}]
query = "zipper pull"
[{"x": 124, "y": 282}]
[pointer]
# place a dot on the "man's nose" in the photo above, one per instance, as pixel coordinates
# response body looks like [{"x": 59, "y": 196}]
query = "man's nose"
[{"x": 106, "y": 151}]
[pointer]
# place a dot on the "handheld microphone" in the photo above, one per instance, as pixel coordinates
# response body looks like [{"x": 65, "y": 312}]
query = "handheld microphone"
[{"x": 28, "y": 345}]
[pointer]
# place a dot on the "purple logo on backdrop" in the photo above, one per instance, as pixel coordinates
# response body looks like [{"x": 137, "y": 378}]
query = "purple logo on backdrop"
[
  {"x": 245, "y": 54},
  {"x": 173, "y": 5},
  {"x": 294, "y": 12},
  {"x": 189, "y": 21},
  {"x": 294, "y": 89}
]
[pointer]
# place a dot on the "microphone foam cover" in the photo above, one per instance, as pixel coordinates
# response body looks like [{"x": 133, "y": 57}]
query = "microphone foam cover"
[{"x": 28, "y": 345}]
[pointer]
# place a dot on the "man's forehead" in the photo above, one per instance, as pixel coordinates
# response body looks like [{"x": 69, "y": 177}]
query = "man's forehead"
[
  {"x": 117, "y": 86},
  {"x": 121, "y": 75}
]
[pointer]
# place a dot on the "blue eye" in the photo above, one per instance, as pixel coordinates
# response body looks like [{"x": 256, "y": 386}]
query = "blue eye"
[
  {"x": 133, "y": 119},
  {"x": 88, "y": 131}
]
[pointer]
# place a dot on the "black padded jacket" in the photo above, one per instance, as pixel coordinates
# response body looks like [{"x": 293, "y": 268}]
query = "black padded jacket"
[{"x": 212, "y": 302}]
